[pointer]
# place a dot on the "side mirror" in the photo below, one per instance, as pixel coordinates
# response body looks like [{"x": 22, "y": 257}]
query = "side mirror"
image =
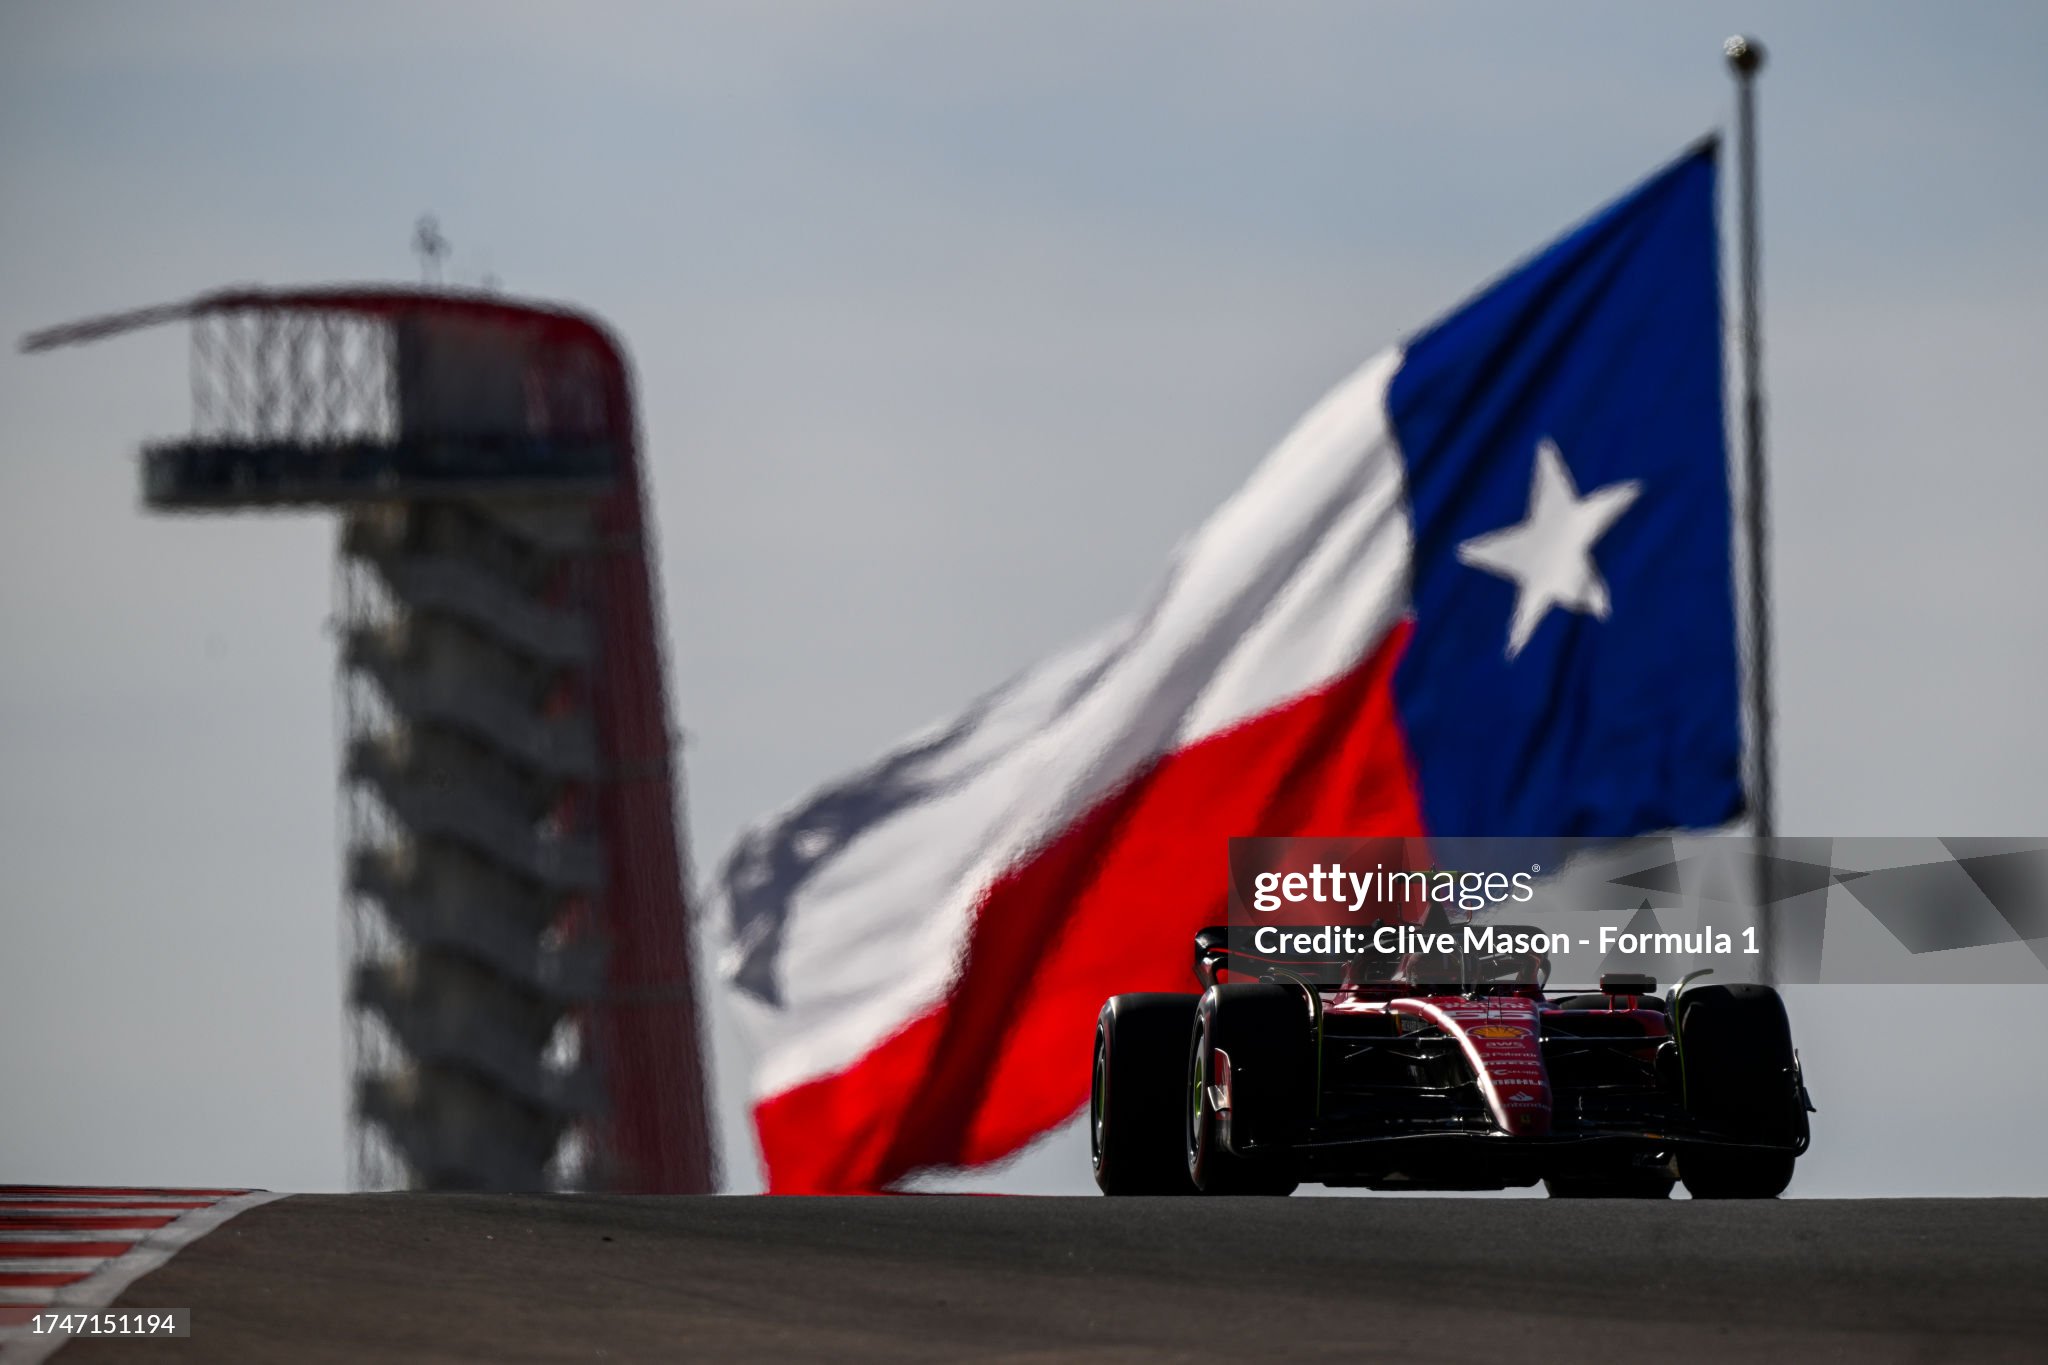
[{"x": 1212, "y": 945}]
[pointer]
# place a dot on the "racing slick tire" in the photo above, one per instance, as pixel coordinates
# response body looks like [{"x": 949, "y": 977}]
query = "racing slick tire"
[
  {"x": 1742, "y": 1083},
  {"x": 1135, "y": 1104},
  {"x": 1267, "y": 1033}
]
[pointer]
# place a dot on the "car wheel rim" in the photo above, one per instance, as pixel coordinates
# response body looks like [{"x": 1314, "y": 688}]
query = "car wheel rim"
[{"x": 1098, "y": 1110}]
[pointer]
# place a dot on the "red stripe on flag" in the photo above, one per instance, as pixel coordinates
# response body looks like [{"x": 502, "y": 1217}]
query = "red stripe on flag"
[{"x": 1111, "y": 905}]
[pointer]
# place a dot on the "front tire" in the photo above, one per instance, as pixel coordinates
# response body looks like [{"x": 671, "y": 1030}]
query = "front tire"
[
  {"x": 1134, "y": 1108},
  {"x": 1266, "y": 1032},
  {"x": 1724, "y": 1174},
  {"x": 1742, "y": 1083}
]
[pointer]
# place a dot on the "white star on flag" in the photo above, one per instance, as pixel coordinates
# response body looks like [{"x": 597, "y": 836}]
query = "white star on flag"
[{"x": 1548, "y": 556}]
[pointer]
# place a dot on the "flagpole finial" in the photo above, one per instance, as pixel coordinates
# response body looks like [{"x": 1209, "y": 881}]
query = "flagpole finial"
[{"x": 1744, "y": 53}]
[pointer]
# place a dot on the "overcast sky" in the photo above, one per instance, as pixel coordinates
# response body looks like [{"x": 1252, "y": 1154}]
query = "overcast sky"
[{"x": 949, "y": 321}]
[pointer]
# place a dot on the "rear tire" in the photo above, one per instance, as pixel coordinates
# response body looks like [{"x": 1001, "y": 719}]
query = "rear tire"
[
  {"x": 1265, "y": 1030},
  {"x": 1135, "y": 1105},
  {"x": 1741, "y": 1083}
]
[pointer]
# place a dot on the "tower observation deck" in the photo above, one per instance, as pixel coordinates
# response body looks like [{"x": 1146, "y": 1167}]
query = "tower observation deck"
[{"x": 520, "y": 986}]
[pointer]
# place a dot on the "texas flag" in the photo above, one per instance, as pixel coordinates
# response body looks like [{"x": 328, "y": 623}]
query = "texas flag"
[{"x": 1484, "y": 587}]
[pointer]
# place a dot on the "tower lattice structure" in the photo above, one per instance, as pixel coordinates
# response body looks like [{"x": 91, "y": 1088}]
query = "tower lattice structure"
[{"x": 520, "y": 986}]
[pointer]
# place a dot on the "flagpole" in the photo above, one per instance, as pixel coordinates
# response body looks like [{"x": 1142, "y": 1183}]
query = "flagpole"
[{"x": 1745, "y": 59}]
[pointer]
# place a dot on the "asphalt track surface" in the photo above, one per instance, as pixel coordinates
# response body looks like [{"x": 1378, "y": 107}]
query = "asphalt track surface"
[{"x": 515, "y": 1278}]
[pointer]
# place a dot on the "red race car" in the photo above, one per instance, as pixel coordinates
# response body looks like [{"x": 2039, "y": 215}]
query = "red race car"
[{"x": 1444, "y": 1071}]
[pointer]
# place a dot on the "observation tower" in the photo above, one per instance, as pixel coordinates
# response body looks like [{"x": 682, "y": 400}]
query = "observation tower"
[{"x": 523, "y": 1008}]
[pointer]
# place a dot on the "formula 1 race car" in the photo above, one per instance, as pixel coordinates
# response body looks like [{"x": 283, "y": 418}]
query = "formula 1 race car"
[{"x": 1444, "y": 1071}]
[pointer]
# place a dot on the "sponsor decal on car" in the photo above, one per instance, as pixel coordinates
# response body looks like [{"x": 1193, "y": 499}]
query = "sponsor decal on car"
[{"x": 1498, "y": 1032}]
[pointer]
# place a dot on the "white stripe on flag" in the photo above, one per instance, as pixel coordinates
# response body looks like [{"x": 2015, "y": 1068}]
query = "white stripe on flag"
[{"x": 1287, "y": 586}]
